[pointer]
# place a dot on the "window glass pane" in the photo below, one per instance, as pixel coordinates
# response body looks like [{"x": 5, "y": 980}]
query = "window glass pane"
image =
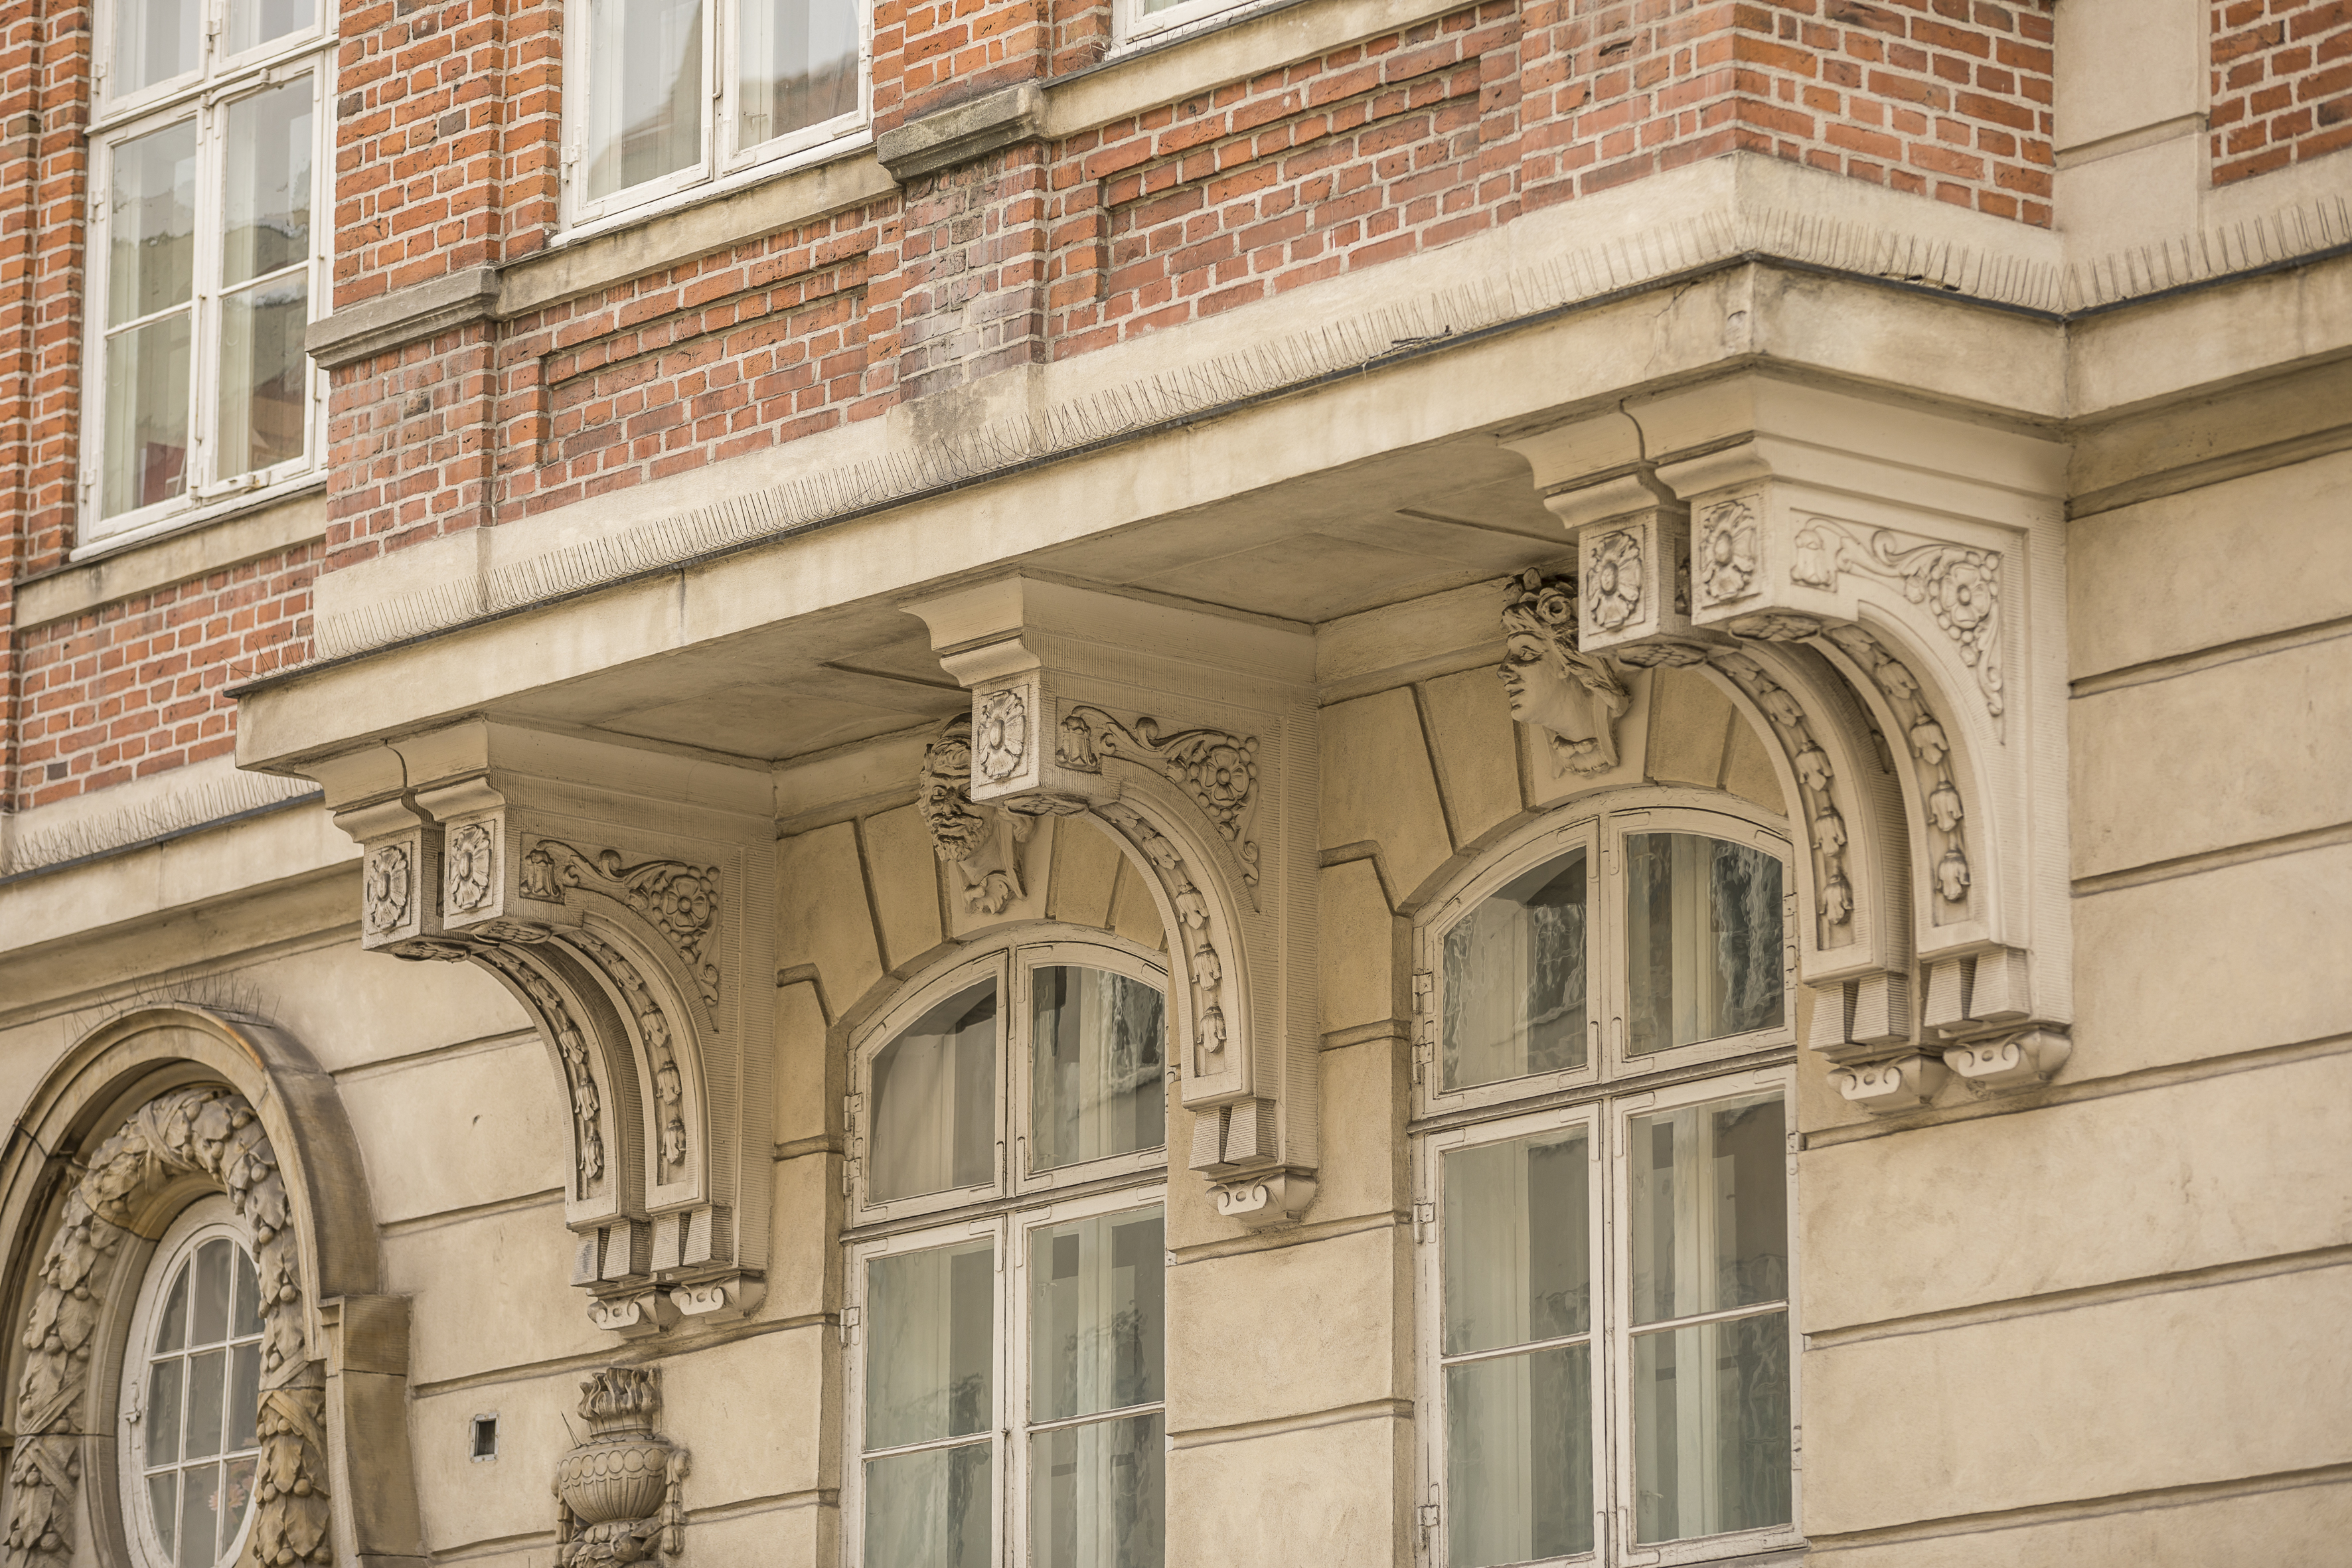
[
  {"x": 1702, "y": 940},
  {"x": 1514, "y": 979},
  {"x": 163, "y": 1507},
  {"x": 1097, "y": 1076},
  {"x": 249, "y": 1297},
  {"x": 200, "y": 1517},
  {"x": 1519, "y": 1458},
  {"x": 1710, "y": 1201},
  {"x": 1711, "y": 1449},
  {"x": 930, "y": 1334},
  {"x": 264, "y": 394},
  {"x": 145, "y": 459},
  {"x": 1098, "y": 1495},
  {"x": 152, "y": 223},
  {"x": 266, "y": 205},
  {"x": 244, "y": 1395},
  {"x": 930, "y": 1510},
  {"x": 644, "y": 91},
  {"x": 237, "y": 1498},
  {"x": 252, "y": 23},
  {"x": 172, "y": 1326},
  {"x": 1518, "y": 1259},
  {"x": 206, "y": 1374},
  {"x": 154, "y": 40},
  {"x": 215, "y": 1267},
  {"x": 161, "y": 1416},
  {"x": 935, "y": 1099},
  {"x": 800, "y": 65},
  {"x": 1095, "y": 1323}
]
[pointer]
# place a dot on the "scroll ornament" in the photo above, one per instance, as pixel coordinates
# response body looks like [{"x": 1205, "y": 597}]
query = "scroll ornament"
[
  {"x": 1217, "y": 769},
  {"x": 617, "y": 1491},
  {"x": 678, "y": 899},
  {"x": 212, "y": 1133},
  {"x": 1959, "y": 586}
]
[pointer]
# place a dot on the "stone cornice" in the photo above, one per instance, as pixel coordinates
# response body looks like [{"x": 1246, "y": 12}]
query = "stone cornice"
[
  {"x": 963, "y": 131},
  {"x": 403, "y": 316}
]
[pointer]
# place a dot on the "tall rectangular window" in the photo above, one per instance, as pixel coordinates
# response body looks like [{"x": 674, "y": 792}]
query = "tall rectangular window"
[
  {"x": 667, "y": 96},
  {"x": 206, "y": 162}
]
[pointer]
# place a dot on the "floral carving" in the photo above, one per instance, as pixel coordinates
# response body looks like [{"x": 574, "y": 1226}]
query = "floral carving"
[
  {"x": 1778, "y": 625},
  {"x": 385, "y": 889},
  {"x": 470, "y": 865},
  {"x": 617, "y": 1491},
  {"x": 676, "y": 899},
  {"x": 1929, "y": 745},
  {"x": 1952, "y": 876},
  {"x": 669, "y": 1085},
  {"x": 1814, "y": 777},
  {"x": 1726, "y": 559},
  {"x": 1000, "y": 734},
  {"x": 980, "y": 844},
  {"x": 1218, "y": 770},
  {"x": 1958, "y": 587},
  {"x": 1574, "y": 697},
  {"x": 212, "y": 1134},
  {"x": 1193, "y": 935},
  {"x": 1613, "y": 589}
]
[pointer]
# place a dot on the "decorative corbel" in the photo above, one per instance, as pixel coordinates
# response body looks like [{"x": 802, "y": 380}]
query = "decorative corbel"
[
  {"x": 526, "y": 856},
  {"x": 1191, "y": 739},
  {"x": 1887, "y": 585}
]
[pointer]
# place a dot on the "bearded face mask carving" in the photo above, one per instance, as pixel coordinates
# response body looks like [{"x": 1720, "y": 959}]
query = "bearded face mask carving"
[
  {"x": 1575, "y": 699},
  {"x": 980, "y": 844}
]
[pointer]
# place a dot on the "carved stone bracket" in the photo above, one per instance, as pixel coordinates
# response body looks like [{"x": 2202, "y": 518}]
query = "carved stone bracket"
[
  {"x": 618, "y": 943},
  {"x": 214, "y": 1136},
  {"x": 1869, "y": 583},
  {"x": 1202, "y": 767}
]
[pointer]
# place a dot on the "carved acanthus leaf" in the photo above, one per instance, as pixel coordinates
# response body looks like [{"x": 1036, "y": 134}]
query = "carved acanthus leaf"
[
  {"x": 676, "y": 899},
  {"x": 213, "y": 1134},
  {"x": 1959, "y": 585},
  {"x": 1217, "y": 769},
  {"x": 671, "y": 1148}
]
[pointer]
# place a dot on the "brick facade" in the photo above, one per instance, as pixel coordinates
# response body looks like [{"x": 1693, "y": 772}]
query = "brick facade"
[
  {"x": 449, "y": 157},
  {"x": 2282, "y": 86}
]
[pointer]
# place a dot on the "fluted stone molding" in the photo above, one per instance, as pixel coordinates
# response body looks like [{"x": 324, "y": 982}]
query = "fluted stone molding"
[
  {"x": 624, "y": 899},
  {"x": 1192, "y": 739},
  {"x": 1882, "y": 592},
  {"x": 211, "y": 1135}
]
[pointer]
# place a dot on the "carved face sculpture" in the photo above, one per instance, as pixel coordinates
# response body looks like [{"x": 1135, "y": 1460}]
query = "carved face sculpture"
[
  {"x": 944, "y": 792},
  {"x": 1575, "y": 698}
]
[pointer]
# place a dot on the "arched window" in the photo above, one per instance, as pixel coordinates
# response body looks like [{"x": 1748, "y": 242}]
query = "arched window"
[
  {"x": 192, "y": 1386},
  {"x": 1006, "y": 1315},
  {"x": 1604, "y": 1205}
]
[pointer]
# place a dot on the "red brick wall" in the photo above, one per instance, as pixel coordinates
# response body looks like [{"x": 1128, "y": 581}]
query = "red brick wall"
[
  {"x": 2282, "y": 84},
  {"x": 139, "y": 686}
]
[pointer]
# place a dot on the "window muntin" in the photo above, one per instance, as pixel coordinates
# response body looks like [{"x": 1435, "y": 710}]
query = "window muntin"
[
  {"x": 1703, "y": 940},
  {"x": 667, "y": 96},
  {"x": 192, "y": 1392},
  {"x": 207, "y": 167},
  {"x": 1007, "y": 1383}
]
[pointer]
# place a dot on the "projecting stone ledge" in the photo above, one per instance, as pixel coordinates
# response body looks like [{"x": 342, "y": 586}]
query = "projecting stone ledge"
[{"x": 958, "y": 134}]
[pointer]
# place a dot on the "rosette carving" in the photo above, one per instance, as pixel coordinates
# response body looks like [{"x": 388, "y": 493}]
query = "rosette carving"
[
  {"x": 470, "y": 866},
  {"x": 1217, "y": 769},
  {"x": 1959, "y": 586},
  {"x": 213, "y": 1134},
  {"x": 385, "y": 888},
  {"x": 678, "y": 899}
]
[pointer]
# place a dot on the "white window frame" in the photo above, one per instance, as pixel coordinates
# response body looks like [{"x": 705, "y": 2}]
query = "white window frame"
[
  {"x": 198, "y": 1222},
  {"x": 1603, "y": 1096},
  {"x": 1007, "y": 1211},
  {"x": 206, "y": 94},
  {"x": 1599, "y": 826},
  {"x": 724, "y": 166},
  {"x": 1134, "y": 28}
]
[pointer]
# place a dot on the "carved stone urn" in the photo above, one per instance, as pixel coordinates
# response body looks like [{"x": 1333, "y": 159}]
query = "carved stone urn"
[{"x": 617, "y": 1491}]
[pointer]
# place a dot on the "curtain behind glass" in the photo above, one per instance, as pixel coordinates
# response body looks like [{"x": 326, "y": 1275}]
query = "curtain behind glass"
[
  {"x": 799, "y": 66},
  {"x": 1703, "y": 940},
  {"x": 154, "y": 40},
  {"x": 644, "y": 91},
  {"x": 1709, "y": 1234},
  {"x": 149, "y": 270},
  {"x": 1514, "y": 979},
  {"x": 1098, "y": 1334},
  {"x": 935, "y": 1101},
  {"x": 930, "y": 1328},
  {"x": 266, "y": 236},
  {"x": 1098, "y": 1066}
]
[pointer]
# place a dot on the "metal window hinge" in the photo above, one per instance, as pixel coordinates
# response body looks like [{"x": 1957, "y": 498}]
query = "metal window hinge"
[
  {"x": 1428, "y": 1515},
  {"x": 849, "y": 1320},
  {"x": 1425, "y": 982},
  {"x": 1424, "y": 1220}
]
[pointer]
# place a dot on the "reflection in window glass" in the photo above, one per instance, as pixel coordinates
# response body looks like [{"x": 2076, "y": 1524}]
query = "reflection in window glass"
[
  {"x": 151, "y": 223},
  {"x": 253, "y": 22},
  {"x": 1519, "y": 1257},
  {"x": 645, "y": 93},
  {"x": 146, "y": 452},
  {"x": 1097, "y": 1337},
  {"x": 799, "y": 66},
  {"x": 1518, "y": 1456},
  {"x": 929, "y": 1509},
  {"x": 1515, "y": 979},
  {"x": 197, "y": 1443},
  {"x": 934, "y": 1101},
  {"x": 1703, "y": 940},
  {"x": 1098, "y": 1066},
  {"x": 154, "y": 40},
  {"x": 930, "y": 1319},
  {"x": 1709, "y": 1234}
]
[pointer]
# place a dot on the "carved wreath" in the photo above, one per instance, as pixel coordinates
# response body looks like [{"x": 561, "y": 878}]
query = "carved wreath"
[{"x": 212, "y": 1133}]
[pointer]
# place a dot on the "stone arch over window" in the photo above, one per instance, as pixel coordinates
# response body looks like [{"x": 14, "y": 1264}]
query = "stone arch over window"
[{"x": 146, "y": 1115}]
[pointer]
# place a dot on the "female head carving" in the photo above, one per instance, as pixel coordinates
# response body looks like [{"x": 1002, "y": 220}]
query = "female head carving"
[{"x": 1574, "y": 698}]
